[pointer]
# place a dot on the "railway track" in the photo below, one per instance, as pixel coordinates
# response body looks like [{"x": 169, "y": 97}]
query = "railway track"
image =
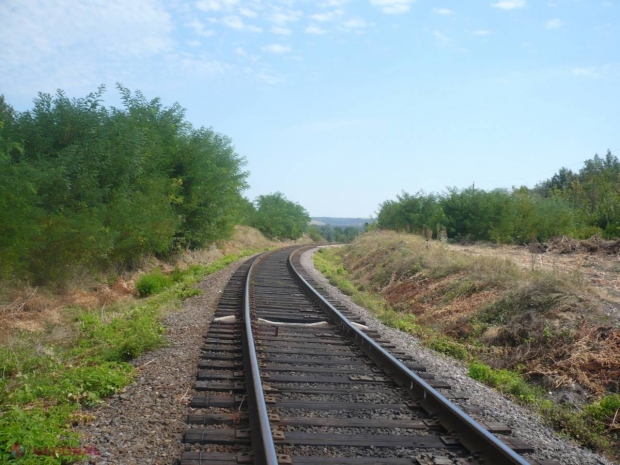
[{"x": 287, "y": 376}]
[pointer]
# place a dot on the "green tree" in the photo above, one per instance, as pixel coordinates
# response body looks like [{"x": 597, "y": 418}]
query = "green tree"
[
  {"x": 85, "y": 186},
  {"x": 279, "y": 218}
]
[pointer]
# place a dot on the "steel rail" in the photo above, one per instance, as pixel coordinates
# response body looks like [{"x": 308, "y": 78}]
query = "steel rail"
[
  {"x": 260, "y": 428},
  {"x": 482, "y": 444}
]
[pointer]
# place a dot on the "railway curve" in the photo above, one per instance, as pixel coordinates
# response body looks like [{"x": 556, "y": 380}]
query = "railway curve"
[{"x": 290, "y": 376}]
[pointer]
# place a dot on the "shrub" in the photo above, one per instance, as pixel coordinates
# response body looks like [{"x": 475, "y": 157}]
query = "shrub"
[{"x": 153, "y": 283}]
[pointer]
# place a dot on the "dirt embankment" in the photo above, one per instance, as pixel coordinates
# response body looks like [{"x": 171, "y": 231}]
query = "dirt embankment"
[{"x": 552, "y": 316}]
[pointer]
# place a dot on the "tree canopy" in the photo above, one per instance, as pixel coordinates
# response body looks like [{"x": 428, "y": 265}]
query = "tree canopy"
[
  {"x": 280, "y": 218},
  {"x": 86, "y": 185},
  {"x": 574, "y": 204}
]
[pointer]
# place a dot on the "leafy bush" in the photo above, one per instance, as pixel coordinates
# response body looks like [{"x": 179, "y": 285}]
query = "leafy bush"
[
  {"x": 279, "y": 218},
  {"x": 505, "y": 381},
  {"x": 448, "y": 347},
  {"x": 154, "y": 283},
  {"x": 150, "y": 184}
]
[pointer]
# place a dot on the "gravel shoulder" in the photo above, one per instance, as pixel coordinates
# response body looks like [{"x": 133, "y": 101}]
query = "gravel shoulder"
[
  {"x": 145, "y": 423},
  {"x": 525, "y": 424}
]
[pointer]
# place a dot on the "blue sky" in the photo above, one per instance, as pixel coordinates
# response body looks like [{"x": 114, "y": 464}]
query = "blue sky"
[{"x": 342, "y": 104}]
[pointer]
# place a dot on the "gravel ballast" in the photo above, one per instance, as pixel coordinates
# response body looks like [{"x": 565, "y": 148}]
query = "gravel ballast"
[
  {"x": 525, "y": 424},
  {"x": 145, "y": 423}
]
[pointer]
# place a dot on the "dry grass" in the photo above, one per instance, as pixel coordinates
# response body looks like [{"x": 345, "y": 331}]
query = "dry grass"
[
  {"x": 40, "y": 310},
  {"x": 548, "y": 323}
]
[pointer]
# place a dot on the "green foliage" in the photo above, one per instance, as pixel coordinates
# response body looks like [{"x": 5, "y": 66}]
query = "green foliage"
[
  {"x": 447, "y": 346},
  {"x": 155, "y": 282},
  {"x": 593, "y": 192},
  {"x": 590, "y": 425},
  {"x": 279, "y": 218},
  {"x": 43, "y": 387},
  {"x": 338, "y": 234},
  {"x": 315, "y": 233},
  {"x": 499, "y": 215},
  {"x": 505, "y": 381},
  {"x": 85, "y": 186},
  {"x": 405, "y": 322},
  {"x": 574, "y": 204}
]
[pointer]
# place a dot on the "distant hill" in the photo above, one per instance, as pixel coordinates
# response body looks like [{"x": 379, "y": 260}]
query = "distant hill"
[{"x": 340, "y": 222}]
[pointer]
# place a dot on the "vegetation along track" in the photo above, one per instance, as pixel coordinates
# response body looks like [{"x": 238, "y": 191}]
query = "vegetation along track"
[{"x": 288, "y": 377}]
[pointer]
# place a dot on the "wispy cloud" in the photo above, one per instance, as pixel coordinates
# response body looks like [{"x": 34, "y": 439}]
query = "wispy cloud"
[
  {"x": 276, "y": 48},
  {"x": 237, "y": 23},
  {"x": 443, "y": 11},
  {"x": 393, "y": 7},
  {"x": 248, "y": 13},
  {"x": 554, "y": 24},
  {"x": 327, "y": 16},
  {"x": 269, "y": 78},
  {"x": 283, "y": 17},
  {"x": 333, "y": 3},
  {"x": 284, "y": 31},
  {"x": 199, "y": 28},
  {"x": 481, "y": 32},
  {"x": 355, "y": 23},
  {"x": 216, "y": 5},
  {"x": 60, "y": 44},
  {"x": 585, "y": 72},
  {"x": 203, "y": 67},
  {"x": 509, "y": 4},
  {"x": 442, "y": 37},
  {"x": 315, "y": 30}
]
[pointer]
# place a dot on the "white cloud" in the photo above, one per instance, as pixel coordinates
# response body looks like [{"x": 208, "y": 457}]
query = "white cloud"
[
  {"x": 269, "y": 78},
  {"x": 277, "y": 48},
  {"x": 327, "y": 16},
  {"x": 200, "y": 29},
  {"x": 355, "y": 23},
  {"x": 233, "y": 22},
  {"x": 393, "y": 7},
  {"x": 442, "y": 37},
  {"x": 443, "y": 11},
  {"x": 60, "y": 44},
  {"x": 281, "y": 30},
  {"x": 237, "y": 23},
  {"x": 203, "y": 67},
  {"x": 240, "y": 51},
  {"x": 315, "y": 30},
  {"x": 554, "y": 24},
  {"x": 282, "y": 18},
  {"x": 585, "y": 72},
  {"x": 481, "y": 32},
  {"x": 248, "y": 13},
  {"x": 216, "y": 5},
  {"x": 333, "y": 3},
  {"x": 509, "y": 4}
]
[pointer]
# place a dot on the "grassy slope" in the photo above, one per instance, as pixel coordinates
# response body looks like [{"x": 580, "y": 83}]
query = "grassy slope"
[
  {"x": 510, "y": 325},
  {"x": 44, "y": 385}
]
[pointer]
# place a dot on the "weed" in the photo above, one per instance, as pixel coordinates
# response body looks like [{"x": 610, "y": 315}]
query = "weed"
[
  {"x": 504, "y": 381},
  {"x": 44, "y": 387},
  {"x": 153, "y": 283},
  {"x": 444, "y": 345}
]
